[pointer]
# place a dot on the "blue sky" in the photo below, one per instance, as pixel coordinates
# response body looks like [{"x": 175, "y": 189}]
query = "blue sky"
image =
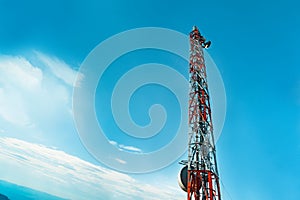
[{"x": 254, "y": 44}]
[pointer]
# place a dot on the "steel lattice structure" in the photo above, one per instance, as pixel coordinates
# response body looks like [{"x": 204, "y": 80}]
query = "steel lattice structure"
[{"x": 202, "y": 171}]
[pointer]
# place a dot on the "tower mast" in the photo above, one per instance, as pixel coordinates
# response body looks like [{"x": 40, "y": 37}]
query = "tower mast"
[{"x": 201, "y": 172}]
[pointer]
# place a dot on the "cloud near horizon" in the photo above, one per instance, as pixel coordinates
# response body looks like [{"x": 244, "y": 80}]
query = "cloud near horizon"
[{"x": 58, "y": 173}]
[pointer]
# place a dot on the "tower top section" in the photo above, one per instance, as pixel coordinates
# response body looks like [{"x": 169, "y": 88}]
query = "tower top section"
[{"x": 196, "y": 35}]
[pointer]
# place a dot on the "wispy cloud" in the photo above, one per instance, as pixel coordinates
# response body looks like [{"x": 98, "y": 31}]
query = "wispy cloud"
[
  {"x": 130, "y": 148},
  {"x": 20, "y": 73},
  {"x": 12, "y": 109},
  {"x": 61, "y": 69},
  {"x": 121, "y": 161},
  {"x": 126, "y": 148},
  {"x": 17, "y": 76},
  {"x": 67, "y": 176}
]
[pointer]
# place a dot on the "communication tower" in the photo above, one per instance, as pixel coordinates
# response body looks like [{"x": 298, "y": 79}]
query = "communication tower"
[{"x": 199, "y": 177}]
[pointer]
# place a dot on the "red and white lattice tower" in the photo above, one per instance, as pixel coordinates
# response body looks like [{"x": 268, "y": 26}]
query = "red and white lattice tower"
[{"x": 201, "y": 172}]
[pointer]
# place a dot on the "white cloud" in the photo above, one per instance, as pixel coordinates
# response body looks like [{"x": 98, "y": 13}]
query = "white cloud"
[
  {"x": 113, "y": 142},
  {"x": 19, "y": 72},
  {"x": 130, "y": 148},
  {"x": 60, "y": 174},
  {"x": 60, "y": 69},
  {"x": 17, "y": 76},
  {"x": 121, "y": 161},
  {"x": 12, "y": 109},
  {"x": 28, "y": 95},
  {"x": 126, "y": 148}
]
